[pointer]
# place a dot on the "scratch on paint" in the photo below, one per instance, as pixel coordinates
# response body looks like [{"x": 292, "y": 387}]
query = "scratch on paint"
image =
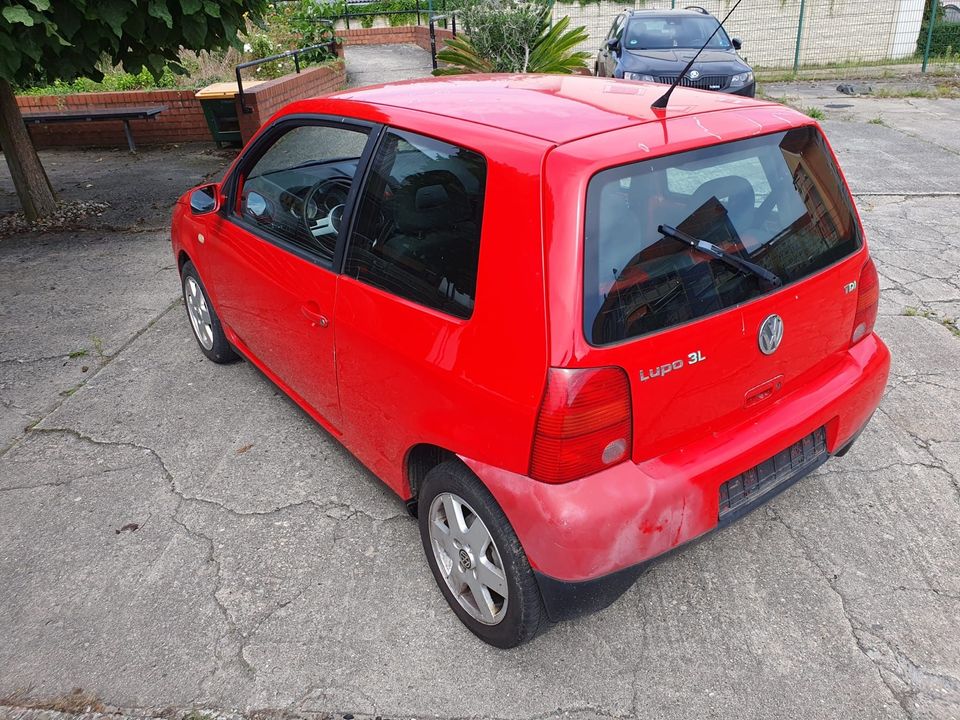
[
  {"x": 700, "y": 125},
  {"x": 676, "y": 538},
  {"x": 759, "y": 126},
  {"x": 643, "y": 147},
  {"x": 785, "y": 119}
]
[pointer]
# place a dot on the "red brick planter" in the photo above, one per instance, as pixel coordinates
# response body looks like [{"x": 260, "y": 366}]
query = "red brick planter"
[
  {"x": 415, "y": 34},
  {"x": 183, "y": 121}
]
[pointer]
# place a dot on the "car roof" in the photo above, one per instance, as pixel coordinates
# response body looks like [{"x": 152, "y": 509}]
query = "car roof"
[{"x": 555, "y": 108}]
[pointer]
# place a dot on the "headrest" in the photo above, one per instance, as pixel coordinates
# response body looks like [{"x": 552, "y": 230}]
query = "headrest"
[
  {"x": 733, "y": 191},
  {"x": 431, "y": 200}
]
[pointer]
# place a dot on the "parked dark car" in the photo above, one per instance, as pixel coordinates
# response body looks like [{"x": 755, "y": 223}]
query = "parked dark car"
[{"x": 656, "y": 45}]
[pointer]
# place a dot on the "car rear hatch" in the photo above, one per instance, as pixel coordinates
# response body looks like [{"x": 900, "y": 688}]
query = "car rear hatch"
[{"x": 705, "y": 342}]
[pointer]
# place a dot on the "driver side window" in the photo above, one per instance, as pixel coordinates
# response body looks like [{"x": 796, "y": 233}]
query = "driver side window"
[{"x": 297, "y": 190}]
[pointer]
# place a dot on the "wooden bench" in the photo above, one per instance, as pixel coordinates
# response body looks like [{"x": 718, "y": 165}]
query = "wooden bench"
[{"x": 126, "y": 114}]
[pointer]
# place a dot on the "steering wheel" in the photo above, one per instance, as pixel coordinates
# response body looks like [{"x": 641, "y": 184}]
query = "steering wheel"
[{"x": 323, "y": 206}]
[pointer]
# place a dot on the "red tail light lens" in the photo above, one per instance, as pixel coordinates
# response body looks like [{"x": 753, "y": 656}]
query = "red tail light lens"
[
  {"x": 585, "y": 424},
  {"x": 868, "y": 301}
]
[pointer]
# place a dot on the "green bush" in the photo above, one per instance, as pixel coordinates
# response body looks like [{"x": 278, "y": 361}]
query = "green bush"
[
  {"x": 945, "y": 41},
  {"x": 945, "y": 38}
]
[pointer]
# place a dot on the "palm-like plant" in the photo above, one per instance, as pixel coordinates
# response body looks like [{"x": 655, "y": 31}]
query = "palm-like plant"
[{"x": 512, "y": 37}]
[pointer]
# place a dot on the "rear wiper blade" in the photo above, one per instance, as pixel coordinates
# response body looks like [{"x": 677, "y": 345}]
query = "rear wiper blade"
[{"x": 718, "y": 253}]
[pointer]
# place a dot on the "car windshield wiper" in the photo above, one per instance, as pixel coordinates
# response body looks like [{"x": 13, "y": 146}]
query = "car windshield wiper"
[{"x": 718, "y": 253}]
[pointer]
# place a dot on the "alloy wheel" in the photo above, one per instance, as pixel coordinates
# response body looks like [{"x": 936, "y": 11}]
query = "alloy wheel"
[
  {"x": 198, "y": 311},
  {"x": 468, "y": 558}
]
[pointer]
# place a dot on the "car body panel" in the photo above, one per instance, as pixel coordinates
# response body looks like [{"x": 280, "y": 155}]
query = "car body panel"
[
  {"x": 464, "y": 385},
  {"x": 633, "y": 512},
  {"x": 724, "y": 384}
]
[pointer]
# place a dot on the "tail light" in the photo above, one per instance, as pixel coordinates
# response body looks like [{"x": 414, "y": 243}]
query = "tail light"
[
  {"x": 868, "y": 301},
  {"x": 585, "y": 424}
]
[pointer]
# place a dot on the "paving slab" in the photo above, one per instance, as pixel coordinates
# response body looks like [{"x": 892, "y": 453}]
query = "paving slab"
[{"x": 375, "y": 64}]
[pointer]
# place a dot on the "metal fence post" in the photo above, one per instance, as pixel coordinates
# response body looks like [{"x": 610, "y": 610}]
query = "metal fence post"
[
  {"x": 433, "y": 43},
  {"x": 796, "y": 52},
  {"x": 346, "y": 12},
  {"x": 930, "y": 23}
]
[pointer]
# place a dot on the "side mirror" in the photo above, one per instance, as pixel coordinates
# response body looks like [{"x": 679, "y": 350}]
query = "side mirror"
[
  {"x": 204, "y": 199},
  {"x": 256, "y": 206},
  {"x": 737, "y": 43},
  {"x": 613, "y": 44}
]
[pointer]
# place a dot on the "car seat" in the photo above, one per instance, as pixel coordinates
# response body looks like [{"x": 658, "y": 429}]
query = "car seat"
[{"x": 436, "y": 237}]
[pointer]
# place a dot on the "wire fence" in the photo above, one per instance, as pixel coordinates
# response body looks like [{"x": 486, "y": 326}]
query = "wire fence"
[
  {"x": 779, "y": 36},
  {"x": 794, "y": 35}
]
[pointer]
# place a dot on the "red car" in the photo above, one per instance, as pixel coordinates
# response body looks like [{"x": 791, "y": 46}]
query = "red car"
[{"x": 571, "y": 331}]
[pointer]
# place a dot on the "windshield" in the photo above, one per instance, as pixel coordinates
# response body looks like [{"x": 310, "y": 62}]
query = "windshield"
[
  {"x": 776, "y": 200},
  {"x": 664, "y": 33}
]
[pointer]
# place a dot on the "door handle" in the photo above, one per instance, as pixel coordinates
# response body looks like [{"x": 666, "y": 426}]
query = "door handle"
[{"x": 312, "y": 313}]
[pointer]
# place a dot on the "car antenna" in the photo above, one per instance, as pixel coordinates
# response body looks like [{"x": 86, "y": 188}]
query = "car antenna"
[{"x": 661, "y": 102}]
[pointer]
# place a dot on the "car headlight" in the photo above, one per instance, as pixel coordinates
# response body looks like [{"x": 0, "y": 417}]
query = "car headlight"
[
  {"x": 638, "y": 76},
  {"x": 741, "y": 79}
]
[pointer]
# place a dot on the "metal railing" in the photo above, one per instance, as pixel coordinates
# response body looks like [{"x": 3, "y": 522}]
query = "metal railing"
[
  {"x": 329, "y": 47},
  {"x": 452, "y": 15}
]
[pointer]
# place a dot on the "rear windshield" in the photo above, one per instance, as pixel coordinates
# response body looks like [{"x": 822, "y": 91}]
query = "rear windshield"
[{"x": 775, "y": 200}]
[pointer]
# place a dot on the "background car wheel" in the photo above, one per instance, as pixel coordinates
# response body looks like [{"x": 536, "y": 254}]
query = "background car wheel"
[
  {"x": 476, "y": 558},
  {"x": 203, "y": 318}
]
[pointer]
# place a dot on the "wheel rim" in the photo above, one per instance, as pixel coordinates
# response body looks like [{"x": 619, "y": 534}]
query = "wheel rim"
[
  {"x": 468, "y": 558},
  {"x": 198, "y": 311}
]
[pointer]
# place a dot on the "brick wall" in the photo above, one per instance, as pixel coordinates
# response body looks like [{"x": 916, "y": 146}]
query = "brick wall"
[
  {"x": 413, "y": 34},
  {"x": 269, "y": 97},
  {"x": 182, "y": 121}
]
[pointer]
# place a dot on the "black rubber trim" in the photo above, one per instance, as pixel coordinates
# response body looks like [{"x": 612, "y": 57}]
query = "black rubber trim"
[
  {"x": 566, "y": 600},
  {"x": 849, "y": 444}
]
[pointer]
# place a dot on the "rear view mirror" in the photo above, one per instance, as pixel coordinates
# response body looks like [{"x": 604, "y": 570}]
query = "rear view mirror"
[
  {"x": 255, "y": 205},
  {"x": 204, "y": 199},
  {"x": 737, "y": 43}
]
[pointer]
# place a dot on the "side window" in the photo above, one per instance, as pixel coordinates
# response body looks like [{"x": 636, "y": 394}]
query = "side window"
[
  {"x": 297, "y": 189},
  {"x": 418, "y": 224},
  {"x": 618, "y": 25}
]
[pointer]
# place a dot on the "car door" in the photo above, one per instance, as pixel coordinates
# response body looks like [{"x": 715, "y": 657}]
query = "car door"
[{"x": 271, "y": 257}]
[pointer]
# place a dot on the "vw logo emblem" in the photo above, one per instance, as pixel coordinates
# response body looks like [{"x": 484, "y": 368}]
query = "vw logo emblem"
[
  {"x": 771, "y": 333},
  {"x": 693, "y": 74}
]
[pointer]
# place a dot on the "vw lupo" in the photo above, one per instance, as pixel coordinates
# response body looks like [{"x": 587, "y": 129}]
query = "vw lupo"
[{"x": 571, "y": 331}]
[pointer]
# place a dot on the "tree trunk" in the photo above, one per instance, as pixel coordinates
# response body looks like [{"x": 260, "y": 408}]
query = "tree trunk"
[{"x": 29, "y": 177}]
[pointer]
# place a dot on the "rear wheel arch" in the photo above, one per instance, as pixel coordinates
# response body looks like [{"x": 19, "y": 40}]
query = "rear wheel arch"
[
  {"x": 182, "y": 259},
  {"x": 420, "y": 460}
]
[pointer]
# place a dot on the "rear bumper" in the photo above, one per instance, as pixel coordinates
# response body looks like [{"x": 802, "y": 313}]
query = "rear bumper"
[{"x": 588, "y": 540}]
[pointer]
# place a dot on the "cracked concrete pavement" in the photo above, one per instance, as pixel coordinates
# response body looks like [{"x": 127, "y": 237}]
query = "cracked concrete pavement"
[{"x": 179, "y": 534}]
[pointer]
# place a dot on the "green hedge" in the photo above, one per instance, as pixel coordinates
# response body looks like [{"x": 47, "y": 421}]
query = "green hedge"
[{"x": 945, "y": 39}]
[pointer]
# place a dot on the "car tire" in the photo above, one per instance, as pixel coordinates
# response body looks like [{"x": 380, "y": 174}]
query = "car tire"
[
  {"x": 203, "y": 319},
  {"x": 488, "y": 558}
]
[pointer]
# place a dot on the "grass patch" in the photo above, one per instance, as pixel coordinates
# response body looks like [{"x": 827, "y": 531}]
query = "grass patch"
[
  {"x": 949, "y": 323},
  {"x": 75, "y": 703},
  {"x": 877, "y": 121},
  {"x": 77, "y": 354},
  {"x": 197, "y": 715},
  {"x": 814, "y": 112}
]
